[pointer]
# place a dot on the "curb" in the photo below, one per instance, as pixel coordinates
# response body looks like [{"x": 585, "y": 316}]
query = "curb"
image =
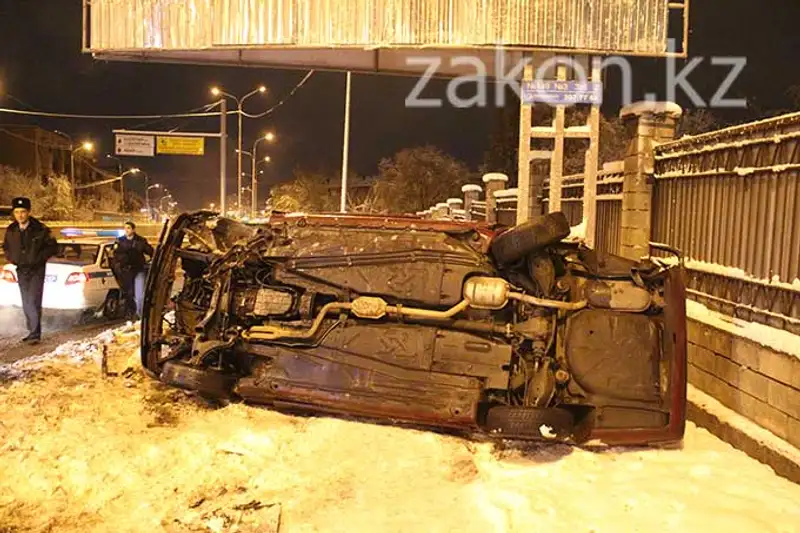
[{"x": 742, "y": 434}]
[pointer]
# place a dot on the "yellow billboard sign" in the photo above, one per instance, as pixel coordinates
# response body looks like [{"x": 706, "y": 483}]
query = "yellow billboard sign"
[{"x": 180, "y": 146}]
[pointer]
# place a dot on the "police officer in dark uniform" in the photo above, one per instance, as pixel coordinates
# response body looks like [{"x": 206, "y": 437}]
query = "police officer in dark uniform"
[
  {"x": 28, "y": 244},
  {"x": 129, "y": 267}
]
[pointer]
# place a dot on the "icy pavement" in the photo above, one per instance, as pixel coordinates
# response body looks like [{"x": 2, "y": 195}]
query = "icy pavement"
[{"x": 79, "y": 452}]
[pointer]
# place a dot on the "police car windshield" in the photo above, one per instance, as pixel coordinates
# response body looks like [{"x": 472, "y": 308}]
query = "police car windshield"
[{"x": 76, "y": 253}]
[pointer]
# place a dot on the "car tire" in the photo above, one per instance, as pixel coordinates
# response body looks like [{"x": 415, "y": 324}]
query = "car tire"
[
  {"x": 112, "y": 306},
  {"x": 206, "y": 382},
  {"x": 530, "y": 423},
  {"x": 513, "y": 244}
]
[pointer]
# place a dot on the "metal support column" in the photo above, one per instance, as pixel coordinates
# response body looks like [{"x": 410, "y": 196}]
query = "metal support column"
[
  {"x": 345, "y": 144},
  {"x": 223, "y": 149},
  {"x": 557, "y": 163},
  {"x": 524, "y": 200},
  {"x": 592, "y": 164}
]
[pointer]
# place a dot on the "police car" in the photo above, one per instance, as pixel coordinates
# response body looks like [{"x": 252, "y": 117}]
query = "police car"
[{"x": 78, "y": 278}]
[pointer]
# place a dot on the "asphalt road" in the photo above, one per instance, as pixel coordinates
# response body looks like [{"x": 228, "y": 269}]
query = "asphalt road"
[{"x": 57, "y": 328}]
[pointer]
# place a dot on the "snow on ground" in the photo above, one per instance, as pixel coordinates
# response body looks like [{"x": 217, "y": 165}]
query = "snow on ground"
[
  {"x": 742, "y": 424},
  {"x": 80, "y": 452}
]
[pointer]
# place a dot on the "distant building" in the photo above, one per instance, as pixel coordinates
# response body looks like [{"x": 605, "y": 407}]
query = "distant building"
[
  {"x": 358, "y": 187},
  {"x": 42, "y": 153}
]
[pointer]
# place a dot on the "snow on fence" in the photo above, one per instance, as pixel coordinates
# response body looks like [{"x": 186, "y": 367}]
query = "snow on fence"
[{"x": 730, "y": 201}]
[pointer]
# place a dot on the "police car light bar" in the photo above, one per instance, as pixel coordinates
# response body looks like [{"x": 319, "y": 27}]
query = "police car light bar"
[{"x": 75, "y": 232}]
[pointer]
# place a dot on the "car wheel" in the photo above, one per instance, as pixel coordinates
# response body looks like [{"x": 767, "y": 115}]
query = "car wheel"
[
  {"x": 207, "y": 382},
  {"x": 112, "y": 306},
  {"x": 530, "y": 423},
  {"x": 517, "y": 242}
]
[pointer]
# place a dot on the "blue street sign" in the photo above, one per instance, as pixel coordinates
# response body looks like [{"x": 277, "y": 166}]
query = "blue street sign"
[{"x": 562, "y": 92}]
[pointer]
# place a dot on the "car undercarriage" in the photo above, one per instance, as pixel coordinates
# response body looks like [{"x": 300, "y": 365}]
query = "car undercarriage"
[{"x": 514, "y": 334}]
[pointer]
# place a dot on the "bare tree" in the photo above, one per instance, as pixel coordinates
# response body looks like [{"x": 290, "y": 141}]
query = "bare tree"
[{"x": 415, "y": 178}]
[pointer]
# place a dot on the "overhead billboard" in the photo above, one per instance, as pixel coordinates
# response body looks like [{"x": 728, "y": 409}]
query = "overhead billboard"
[{"x": 371, "y": 35}]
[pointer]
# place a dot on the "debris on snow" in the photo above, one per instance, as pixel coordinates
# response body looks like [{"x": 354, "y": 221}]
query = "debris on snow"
[{"x": 547, "y": 432}]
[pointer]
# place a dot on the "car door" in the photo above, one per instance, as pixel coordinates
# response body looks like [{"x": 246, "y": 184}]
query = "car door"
[{"x": 109, "y": 281}]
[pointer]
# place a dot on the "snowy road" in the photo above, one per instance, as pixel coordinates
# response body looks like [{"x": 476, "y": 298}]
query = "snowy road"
[
  {"x": 82, "y": 453},
  {"x": 57, "y": 328}
]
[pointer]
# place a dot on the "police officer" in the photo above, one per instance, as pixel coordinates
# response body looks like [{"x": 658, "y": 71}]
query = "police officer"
[
  {"x": 129, "y": 266},
  {"x": 28, "y": 244}
]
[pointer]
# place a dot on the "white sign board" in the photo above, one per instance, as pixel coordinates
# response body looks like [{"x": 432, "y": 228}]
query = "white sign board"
[{"x": 135, "y": 145}]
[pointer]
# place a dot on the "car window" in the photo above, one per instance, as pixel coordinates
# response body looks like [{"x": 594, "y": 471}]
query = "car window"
[
  {"x": 76, "y": 253},
  {"x": 105, "y": 261}
]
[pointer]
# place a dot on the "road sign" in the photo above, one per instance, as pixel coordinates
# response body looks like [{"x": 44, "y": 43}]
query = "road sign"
[
  {"x": 562, "y": 92},
  {"x": 181, "y": 145},
  {"x": 135, "y": 145}
]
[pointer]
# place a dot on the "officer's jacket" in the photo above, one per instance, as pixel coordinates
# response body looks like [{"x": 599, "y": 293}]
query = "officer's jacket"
[{"x": 30, "y": 248}]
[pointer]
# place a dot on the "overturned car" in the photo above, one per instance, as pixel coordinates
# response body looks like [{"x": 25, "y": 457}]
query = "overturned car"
[{"x": 515, "y": 334}]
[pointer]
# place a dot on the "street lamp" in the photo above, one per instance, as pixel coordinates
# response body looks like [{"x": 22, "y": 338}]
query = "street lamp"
[
  {"x": 216, "y": 91},
  {"x": 147, "y": 197},
  {"x": 161, "y": 202},
  {"x": 118, "y": 160},
  {"x": 269, "y": 137},
  {"x": 71, "y": 167},
  {"x": 122, "y": 182}
]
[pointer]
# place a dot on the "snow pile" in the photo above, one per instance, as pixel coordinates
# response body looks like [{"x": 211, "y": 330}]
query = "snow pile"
[
  {"x": 82, "y": 452},
  {"x": 577, "y": 233},
  {"x": 776, "y": 339},
  {"x": 739, "y": 422},
  {"x": 72, "y": 352}
]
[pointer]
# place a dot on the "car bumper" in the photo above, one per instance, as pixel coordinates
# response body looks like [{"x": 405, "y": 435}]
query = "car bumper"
[{"x": 65, "y": 299}]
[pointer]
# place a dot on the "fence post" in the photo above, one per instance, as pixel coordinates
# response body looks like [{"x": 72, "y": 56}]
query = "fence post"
[
  {"x": 441, "y": 211},
  {"x": 646, "y": 124},
  {"x": 472, "y": 193},
  {"x": 506, "y": 201},
  {"x": 454, "y": 204},
  {"x": 494, "y": 181}
]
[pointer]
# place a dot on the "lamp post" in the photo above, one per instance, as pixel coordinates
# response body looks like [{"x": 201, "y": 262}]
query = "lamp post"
[
  {"x": 239, "y": 105},
  {"x": 85, "y": 146},
  {"x": 161, "y": 202},
  {"x": 147, "y": 199},
  {"x": 266, "y": 159},
  {"x": 269, "y": 137},
  {"x": 122, "y": 183}
]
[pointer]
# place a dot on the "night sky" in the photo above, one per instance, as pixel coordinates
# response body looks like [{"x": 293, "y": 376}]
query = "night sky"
[{"x": 42, "y": 67}]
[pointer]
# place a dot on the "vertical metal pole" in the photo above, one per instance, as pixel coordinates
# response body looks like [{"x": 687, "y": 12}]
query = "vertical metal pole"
[
  {"x": 147, "y": 195},
  {"x": 345, "y": 144},
  {"x": 223, "y": 148},
  {"x": 253, "y": 182},
  {"x": 122, "y": 189},
  {"x": 524, "y": 151},
  {"x": 557, "y": 165},
  {"x": 592, "y": 163},
  {"x": 239, "y": 162},
  {"x": 72, "y": 179}
]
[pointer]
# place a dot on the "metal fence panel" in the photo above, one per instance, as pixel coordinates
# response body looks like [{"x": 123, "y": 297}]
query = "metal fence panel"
[{"x": 730, "y": 201}]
